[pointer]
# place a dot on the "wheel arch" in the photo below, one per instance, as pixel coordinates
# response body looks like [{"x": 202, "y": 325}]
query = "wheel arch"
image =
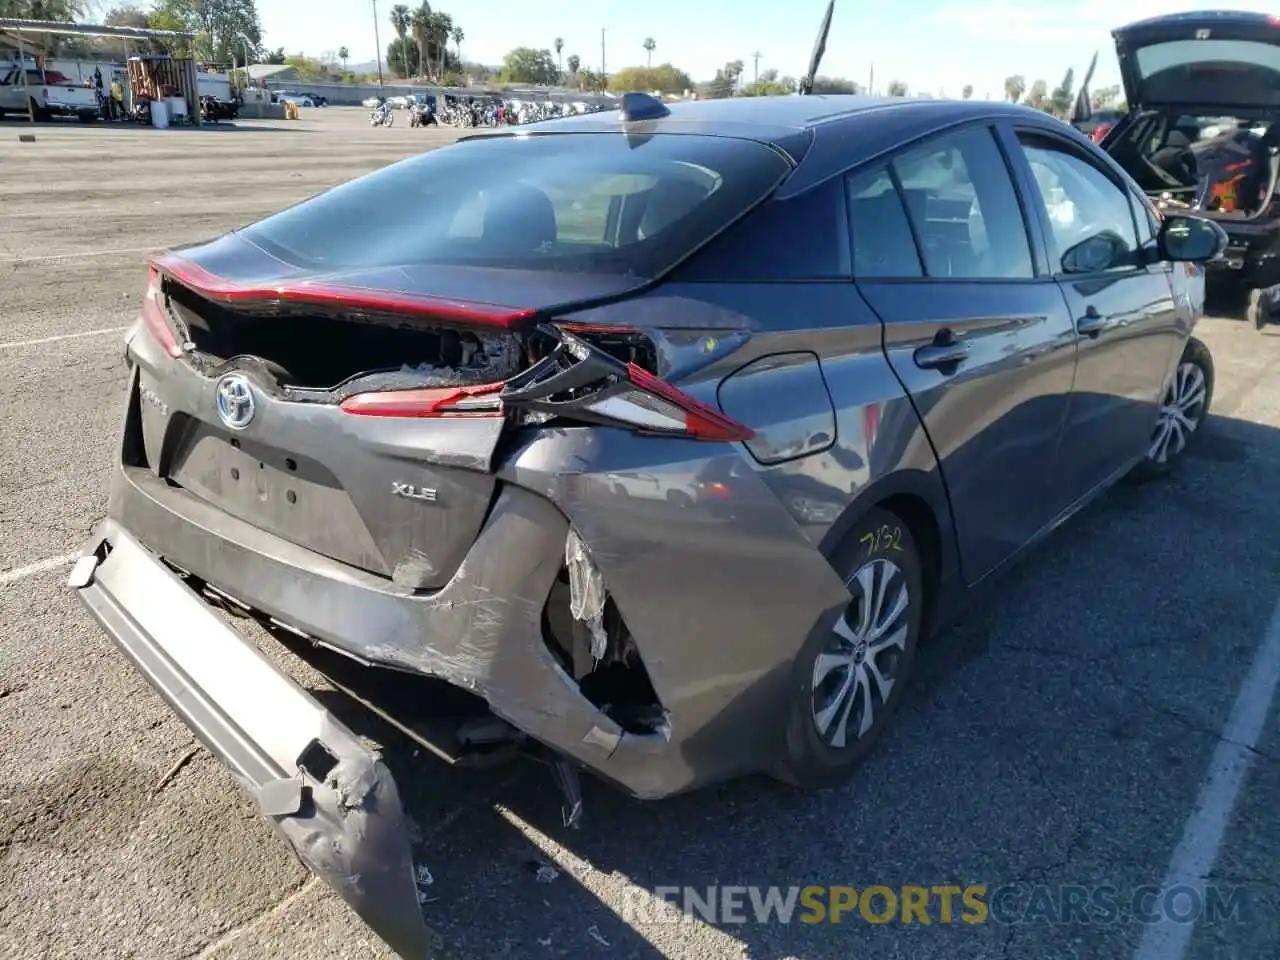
[{"x": 919, "y": 499}]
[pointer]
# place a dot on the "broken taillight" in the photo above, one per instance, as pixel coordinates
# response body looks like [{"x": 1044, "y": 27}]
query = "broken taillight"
[
  {"x": 153, "y": 317},
  {"x": 574, "y": 381},
  {"x": 577, "y": 381},
  {"x": 481, "y": 401}
]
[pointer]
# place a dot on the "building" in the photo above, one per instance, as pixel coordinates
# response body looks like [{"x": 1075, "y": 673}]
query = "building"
[{"x": 273, "y": 72}]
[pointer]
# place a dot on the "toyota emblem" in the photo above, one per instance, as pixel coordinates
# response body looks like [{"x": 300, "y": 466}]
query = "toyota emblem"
[{"x": 235, "y": 401}]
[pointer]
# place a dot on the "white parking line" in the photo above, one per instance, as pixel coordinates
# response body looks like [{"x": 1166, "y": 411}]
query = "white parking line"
[
  {"x": 1196, "y": 853},
  {"x": 14, "y": 344},
  {"x": 76, "y": 255},
  {"x": 40, "y": 566}
]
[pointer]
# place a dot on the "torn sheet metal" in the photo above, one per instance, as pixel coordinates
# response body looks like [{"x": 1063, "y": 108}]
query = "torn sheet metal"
[{"x": 586, "y": 593}]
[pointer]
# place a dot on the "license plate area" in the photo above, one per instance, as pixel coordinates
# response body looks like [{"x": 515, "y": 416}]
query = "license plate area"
[{"x": 288, "y": 495}]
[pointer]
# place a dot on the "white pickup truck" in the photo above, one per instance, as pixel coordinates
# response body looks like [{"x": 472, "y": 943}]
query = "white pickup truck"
[{"x": 46, "y": 93}]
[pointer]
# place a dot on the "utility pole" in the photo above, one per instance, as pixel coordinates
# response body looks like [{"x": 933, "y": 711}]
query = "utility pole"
[
  {"x": 603, "y": 73},
  {"x": 378, "y": 41},
  {"x": 756, "y": 57},
  {"x": 871, "y": 81}
]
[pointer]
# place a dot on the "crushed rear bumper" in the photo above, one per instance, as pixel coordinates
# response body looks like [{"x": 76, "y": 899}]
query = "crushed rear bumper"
[{"x": 329, "y": 795}]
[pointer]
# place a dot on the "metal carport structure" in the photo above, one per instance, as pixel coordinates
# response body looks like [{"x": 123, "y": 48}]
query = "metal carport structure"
[{"x": 15, "y": 30}]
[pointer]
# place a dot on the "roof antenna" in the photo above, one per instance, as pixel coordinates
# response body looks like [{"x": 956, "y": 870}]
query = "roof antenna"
[{"x": 819, "y": 48}]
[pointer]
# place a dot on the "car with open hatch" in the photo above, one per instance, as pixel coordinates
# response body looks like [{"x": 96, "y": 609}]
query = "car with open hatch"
[
  {"x": 1201, "y": 132},
  {"x": 659, "y": 439}
]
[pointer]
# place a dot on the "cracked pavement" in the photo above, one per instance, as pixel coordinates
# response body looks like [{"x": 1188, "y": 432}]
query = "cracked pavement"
[{"x": 1057, "y": 736}]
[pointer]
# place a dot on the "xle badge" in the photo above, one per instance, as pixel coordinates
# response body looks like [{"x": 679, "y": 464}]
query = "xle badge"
[{"x": 413, "y": 493}]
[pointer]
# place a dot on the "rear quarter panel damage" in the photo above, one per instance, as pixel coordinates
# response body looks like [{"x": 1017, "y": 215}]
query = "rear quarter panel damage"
[{"x": 681, "y": 574}]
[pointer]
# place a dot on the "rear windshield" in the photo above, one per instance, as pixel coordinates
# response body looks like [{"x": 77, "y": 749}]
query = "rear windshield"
[
  {"x": 1180, "y": 53},
  {"x": 598, "y": 203}
]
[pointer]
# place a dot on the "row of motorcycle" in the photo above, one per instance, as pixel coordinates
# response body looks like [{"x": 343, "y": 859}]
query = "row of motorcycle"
[{"x": 478, "y": 113}]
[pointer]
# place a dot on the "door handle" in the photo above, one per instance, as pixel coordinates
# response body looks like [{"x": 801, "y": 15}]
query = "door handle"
[
  {"x": 1092, "y": 323},
  {"x": 935, "y": 356}
]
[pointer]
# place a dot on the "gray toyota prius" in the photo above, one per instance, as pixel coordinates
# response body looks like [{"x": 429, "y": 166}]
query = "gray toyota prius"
[{"x": 652, "y": 442}]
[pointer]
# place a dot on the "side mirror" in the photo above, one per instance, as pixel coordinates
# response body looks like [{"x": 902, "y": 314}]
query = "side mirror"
[
  {"x": 1190, "y": 239},
  {"x": 1095, "y": 254}
]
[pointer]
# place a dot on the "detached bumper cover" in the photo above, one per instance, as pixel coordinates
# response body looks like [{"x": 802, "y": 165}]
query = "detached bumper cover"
[{"x": 330, "y": 796}]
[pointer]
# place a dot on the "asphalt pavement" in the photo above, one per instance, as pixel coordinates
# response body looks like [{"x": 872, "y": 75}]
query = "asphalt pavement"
[{"x": 1097, "y": 729}]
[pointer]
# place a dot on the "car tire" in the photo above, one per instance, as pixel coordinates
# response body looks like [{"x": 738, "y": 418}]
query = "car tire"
[
  {"x": 1183, "y": 411},
  {"x": 1258, "y": 310},
  {"x": 835, "y": 681}
]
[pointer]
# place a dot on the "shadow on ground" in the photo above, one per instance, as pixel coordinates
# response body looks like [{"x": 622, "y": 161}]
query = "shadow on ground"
[{"x": 1056, "y": 735}]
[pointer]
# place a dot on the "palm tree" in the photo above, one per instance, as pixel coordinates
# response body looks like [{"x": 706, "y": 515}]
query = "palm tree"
[
  {"x": 343, "y": 54},
  {"x": 442, "y": 25},
  {"x": 559, "y": 45},
  {"x": 420, "y": 24},
  {"x": 574, "y": 63},
  {"x": 649, "y": 47},
  {"x": 458, "y": 37},
  {"x": 1014, "y": 87},
  {"x": 401, "y": 20}
]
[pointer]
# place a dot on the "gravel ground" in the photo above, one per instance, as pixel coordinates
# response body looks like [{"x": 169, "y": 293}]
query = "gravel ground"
[{"x": 1058, "y": 736}]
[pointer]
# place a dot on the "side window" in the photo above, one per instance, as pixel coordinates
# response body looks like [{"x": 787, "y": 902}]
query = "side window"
[
  {"x": 1091, "y": 217},
  {"x": 964, "y": 208},
  {"x": 882, "y": 241},
  {"x": 801, "y": 238}
]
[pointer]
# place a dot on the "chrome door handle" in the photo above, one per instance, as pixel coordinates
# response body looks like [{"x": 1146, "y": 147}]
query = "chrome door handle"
[
  {"x": 1091, "y": 324},
  {"x": 936, "y": 355}
]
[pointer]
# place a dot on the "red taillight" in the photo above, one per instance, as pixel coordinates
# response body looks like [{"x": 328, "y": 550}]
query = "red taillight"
[
  {"x": 675, "y": 410},
  {"x": 481, "y": 401},
  {"x": 153, "y": 316},
  {"x": 319, "y": 293},
  {"x": 1100, "y": 131},
  {"x": 575, "y": 382}
]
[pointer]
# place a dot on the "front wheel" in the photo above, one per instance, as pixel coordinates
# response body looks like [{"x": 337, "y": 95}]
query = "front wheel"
[
  {"x": 1182, "y": 411},
  {"x": 849, "y": 681}
]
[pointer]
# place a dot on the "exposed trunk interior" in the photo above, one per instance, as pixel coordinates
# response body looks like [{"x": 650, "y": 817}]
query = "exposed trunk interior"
[
  {"x": 1228, "y": 167},
  {"x": 313, "y": 350}
]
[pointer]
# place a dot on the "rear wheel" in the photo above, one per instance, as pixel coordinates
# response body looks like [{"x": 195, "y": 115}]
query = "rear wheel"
[
  {"x": 849, "y": 682},
  {"x": 1258, "y": 311}
]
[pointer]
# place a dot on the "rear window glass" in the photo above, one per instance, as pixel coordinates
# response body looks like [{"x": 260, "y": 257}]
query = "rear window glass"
[
  {"x": 598, "y": 203},
  {"x": 804, "y": 237},
  {"x": 1181, "y": 53}
]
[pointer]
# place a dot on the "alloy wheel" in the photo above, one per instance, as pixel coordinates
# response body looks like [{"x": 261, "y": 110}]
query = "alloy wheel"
[
  {"x": 1180, "y": 413},
  {"x": 855, "y": 673}
]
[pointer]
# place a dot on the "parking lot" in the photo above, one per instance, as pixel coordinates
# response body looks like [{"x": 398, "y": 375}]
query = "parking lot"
[{"x": 1067, "y": 734}]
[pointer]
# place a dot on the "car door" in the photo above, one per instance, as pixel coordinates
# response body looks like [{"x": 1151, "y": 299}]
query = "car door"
[
  {"x": 975, "y": 330},
  {"x": 1121, "y": 301}
]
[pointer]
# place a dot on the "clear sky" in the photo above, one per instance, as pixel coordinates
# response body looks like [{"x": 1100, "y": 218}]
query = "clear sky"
[{"x": 934, "y": 45}]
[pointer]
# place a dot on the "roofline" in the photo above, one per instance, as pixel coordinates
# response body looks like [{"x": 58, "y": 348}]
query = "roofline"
[{"x": 8, "y": 25}]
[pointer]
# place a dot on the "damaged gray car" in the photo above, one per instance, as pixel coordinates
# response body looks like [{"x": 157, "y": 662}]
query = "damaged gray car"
[{"x": 657, "y": 439}]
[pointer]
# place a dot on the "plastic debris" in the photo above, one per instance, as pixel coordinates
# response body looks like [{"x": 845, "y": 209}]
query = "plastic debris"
[
  {"x": 586, "y": 592},
  {"x": 422, "y": 878}
]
